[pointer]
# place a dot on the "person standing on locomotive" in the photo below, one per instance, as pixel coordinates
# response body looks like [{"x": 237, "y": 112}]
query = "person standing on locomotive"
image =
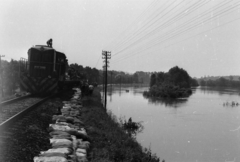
[{"x": 49, "y": 43}]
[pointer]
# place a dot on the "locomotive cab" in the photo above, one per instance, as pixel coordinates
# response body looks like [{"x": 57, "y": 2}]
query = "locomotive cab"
[
  {"x": 45, "y": 69},
  {"x": 45, "y": 62}
]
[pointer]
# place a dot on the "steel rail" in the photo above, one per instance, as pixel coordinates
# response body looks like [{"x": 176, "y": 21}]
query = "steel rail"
[
  {"x": 14, "y": 100},
  {"x": 4, "y": 125}
]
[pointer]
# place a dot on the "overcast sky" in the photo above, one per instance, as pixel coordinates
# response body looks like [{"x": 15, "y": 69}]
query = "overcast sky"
[{"x": 201, "y": 36}]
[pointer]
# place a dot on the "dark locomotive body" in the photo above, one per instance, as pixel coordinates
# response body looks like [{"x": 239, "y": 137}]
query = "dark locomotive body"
[{"x": 44, "y": 71}]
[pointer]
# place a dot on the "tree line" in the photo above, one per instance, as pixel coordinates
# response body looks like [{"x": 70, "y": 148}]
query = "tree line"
[
  {"x": 220, "y": 82},
  {"x": 9, "y": 76},
  {"x": 93, "y": 75}
]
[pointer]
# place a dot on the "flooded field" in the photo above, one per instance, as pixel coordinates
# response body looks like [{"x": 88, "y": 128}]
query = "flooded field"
[{"x": 202, "y": 128}]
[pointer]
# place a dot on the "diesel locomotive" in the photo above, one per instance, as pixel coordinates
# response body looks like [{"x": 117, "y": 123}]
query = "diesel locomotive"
[{"x": 44, "y": 71}]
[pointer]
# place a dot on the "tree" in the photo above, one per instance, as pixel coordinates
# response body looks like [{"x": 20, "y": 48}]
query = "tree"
[
  {"x": 222, "y": 82},
  {"x": 160, "y": 78},
  {"x": 194, "y": 82},
  {"x": 179, "y": 77},
  {"x": 135, "y": 78},
  {"x": 153, "y": 80}
]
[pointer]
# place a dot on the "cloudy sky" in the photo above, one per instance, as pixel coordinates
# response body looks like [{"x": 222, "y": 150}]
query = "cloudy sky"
[{"x": 201, "y": 36}]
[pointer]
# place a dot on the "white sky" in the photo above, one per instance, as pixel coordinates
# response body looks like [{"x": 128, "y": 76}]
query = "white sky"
[{"x": 133, "y": 30}]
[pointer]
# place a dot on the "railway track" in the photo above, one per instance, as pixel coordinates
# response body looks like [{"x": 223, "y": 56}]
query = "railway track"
[
  {"x": 15, "y": 109},
  {"x": 13, "y": 100},
  {"x": 16, "y": 117}
]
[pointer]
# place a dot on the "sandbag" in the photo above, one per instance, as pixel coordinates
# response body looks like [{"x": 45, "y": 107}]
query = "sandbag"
[
  {"x": 64, "y": 141},
  {"x": 65, "y": 127},
  {"x": 70, "y": 119},
  {"x": 58, "y": 117},
  {"x": 83, "y": 144},
  {"x": 67, "y": 104},
  {"x": 68, "y": 137},
  {"x": 66, "y": 114},
  {"x": 78, "y": 134},
  {"x": 66, "y": 151},
  {"x": 80, "y": 150},
  {"x": 83, "y": 131},
  {"x": 59, "y": 143},
  {"x": 65, "y": 109},
  {"x": 79, "y": 154},
  {"x": 50, "y": 159},
  {"x": 59, "y": 127},
  {"x": 62, "y": 123},
  {"x": 57, "y": 132},
  {"x": 76, "y": 120},
  {"x": 49, "y": 154}
]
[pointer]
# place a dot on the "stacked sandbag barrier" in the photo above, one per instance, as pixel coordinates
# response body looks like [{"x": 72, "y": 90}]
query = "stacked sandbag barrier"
[{"x": 69, "y": 139}]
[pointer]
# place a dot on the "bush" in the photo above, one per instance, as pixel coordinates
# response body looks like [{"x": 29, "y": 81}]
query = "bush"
[{"x": 167, "y": 91}]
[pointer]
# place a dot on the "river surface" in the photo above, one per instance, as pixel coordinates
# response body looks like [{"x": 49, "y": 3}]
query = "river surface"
[{"x": 195, "y": 129}]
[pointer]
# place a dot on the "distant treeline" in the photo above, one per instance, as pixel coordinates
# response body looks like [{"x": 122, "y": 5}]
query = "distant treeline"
[
  {"x": 9, "y": 76},
  {"x": 94, "y": 75},
  {"x": 173, "y": 84},
  {"x": 220, "y": 82}
]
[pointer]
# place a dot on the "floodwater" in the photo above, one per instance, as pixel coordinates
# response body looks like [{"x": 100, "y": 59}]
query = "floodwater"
[{"x": 195, "y": 129}]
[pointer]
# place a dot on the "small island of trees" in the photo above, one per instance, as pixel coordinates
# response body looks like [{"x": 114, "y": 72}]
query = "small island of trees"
[{"x": 175, "y": 83}]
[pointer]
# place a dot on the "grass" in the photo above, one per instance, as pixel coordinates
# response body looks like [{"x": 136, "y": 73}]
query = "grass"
[{"x": 109, "y": 142}]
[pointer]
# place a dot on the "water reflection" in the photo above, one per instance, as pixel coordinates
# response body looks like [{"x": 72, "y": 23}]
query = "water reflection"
[
  {"x": 218, "y": 90},
  {"x": 167, "y": 102},
  {"x": 125, "y": 89}
]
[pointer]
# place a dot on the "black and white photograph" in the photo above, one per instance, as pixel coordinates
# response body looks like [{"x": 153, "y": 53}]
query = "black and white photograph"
[{"x": 119, "y": 81}]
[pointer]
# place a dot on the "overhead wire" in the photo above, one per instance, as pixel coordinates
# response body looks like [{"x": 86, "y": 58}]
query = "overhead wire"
[
  {"x": 183, "y": 25},
  {"x": 140, "y": 16},
  {"x": 177, "y": 17},
  {"x": 97, "y": 61},
  {"x": 148, "y": 47},
  {"x": 185, "y": 38},
  {"x": 196, "y": 25},
  {"x": 153, "y": 32},
  {"x": 146, "y": 23}
]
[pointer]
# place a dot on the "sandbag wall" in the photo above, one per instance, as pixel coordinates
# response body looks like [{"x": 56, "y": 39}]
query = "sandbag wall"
[{"x": 69, "y": 139}]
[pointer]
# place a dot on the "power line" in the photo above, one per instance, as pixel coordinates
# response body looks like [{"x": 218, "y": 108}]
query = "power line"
[
  {"x": 181, "y": 40},
  {"x": 173, "y": 19},
  {"x": 97, "y": 61},
  {"x": 177, "y": 32},
  {"x": 153, "y": 31},
  {"x": 140, "y": 16},
  {"x": 146, "y": 23},
  {"x": 142, "y": 50},
  {"x": 150, "y": 24}
]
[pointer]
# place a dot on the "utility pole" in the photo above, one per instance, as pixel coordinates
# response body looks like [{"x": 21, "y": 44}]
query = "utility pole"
[
  {"x": 103, "y": 83},
  {"x": 111, "y": 80},
  {"x": 106, "y": 55},
  {"x": 1, "y": 70}
]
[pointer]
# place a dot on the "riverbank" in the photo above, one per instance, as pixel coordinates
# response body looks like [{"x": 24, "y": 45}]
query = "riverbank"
[{"x": 108, "y": 140}]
